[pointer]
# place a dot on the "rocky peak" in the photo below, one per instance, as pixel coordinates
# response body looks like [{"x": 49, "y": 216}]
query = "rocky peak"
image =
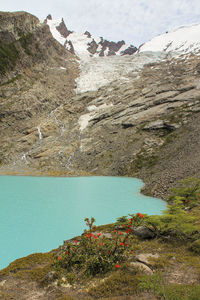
[
  {"x": 85, "y": 45},
  {"x": 130, "y": 50},
  {"x": 88, "y": 34},
  {"x": 62, "y": 29},
  {"x": 49, "y": 17},
  {"x": 16, "y": 24}
]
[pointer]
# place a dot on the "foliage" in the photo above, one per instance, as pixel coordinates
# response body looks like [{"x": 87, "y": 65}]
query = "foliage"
[
  {"x": 8, "y": 57},
  {"x": 188, "y": 192},
  {"x": 25, "y": 41},
  {"x": 94, "y": 253},
  {"x": 177, "y": 222}
]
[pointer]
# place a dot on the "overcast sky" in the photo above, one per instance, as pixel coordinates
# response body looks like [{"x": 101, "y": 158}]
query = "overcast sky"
[{"x": 135, "y": 21}]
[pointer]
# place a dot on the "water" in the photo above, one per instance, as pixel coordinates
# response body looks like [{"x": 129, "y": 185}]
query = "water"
[{"x": 38, "y": 213}]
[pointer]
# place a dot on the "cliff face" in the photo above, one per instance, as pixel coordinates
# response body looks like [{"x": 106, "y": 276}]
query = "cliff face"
[
  {"x": 36, "y": 74},
  {"x": 24, "y": 42},
  {"x": 15, "y": 25}
]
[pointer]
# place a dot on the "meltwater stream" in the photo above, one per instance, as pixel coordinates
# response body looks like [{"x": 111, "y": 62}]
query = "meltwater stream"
[{"x": 38, "y": 213}]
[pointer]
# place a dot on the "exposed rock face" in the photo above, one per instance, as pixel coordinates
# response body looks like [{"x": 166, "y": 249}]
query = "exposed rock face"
[
  {"x": 130, "y": 50},
  {"x": 63, "y": 29},
  {"x": 111, "y": 47},
  {"x": 15, "y": 25}
]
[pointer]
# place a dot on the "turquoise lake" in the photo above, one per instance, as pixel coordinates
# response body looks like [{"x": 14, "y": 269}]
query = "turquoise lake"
[{"x": 38, "y": 213}]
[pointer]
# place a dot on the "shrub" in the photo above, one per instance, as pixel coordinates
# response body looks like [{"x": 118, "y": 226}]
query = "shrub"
[{"x": 94, "y": 253}]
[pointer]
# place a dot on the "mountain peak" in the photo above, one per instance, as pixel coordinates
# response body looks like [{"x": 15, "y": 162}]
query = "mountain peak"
[
  {"x": 182, "y": 40},
  {"x": 85, "y": 45}
]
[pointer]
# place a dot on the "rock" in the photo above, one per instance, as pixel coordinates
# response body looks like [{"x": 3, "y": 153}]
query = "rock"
[
  {"x": 145, "y": 269},
  {"x": 143, "y": 232},
  {"x": 160, "y": 124},
  {"x": 146, "y": 258}
]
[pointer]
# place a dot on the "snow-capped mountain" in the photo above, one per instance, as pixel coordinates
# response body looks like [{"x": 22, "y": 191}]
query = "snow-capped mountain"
[
  {"x": 183, "y": 40},
  {"x": 84, "y": 45}
]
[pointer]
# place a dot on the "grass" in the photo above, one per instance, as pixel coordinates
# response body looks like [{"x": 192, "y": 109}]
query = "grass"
[{"x": 32, "y": 267}]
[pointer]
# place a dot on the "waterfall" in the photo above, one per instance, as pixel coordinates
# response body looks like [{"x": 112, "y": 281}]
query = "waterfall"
[
  {"x": 39, "y": 132},
  {"x": 69, "y": 162},
  {"x": 24, "y": 157}
]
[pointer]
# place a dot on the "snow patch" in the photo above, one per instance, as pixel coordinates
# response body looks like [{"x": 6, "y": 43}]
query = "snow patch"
[
  {"x": 93, "y": 109},
  {"x": 56, "y": 34},
  {"x": 183, "y": 40}
]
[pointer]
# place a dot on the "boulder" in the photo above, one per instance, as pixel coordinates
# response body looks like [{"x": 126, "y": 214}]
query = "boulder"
[
  {"x": 145, "y": 269},
  {"x": 143, "y": 232},
  {"x": 146, "y": 258}
]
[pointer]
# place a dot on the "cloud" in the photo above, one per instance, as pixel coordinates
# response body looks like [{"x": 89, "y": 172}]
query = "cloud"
[{"x": 135, "y": 21}]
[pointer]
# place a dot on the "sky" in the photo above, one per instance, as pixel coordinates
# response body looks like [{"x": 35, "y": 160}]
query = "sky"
[{"x": 135, "y": 21}]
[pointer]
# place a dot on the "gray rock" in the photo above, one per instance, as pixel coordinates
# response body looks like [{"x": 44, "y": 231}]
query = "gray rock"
[
  {"x": 145, "y": 269},
  {"x": 143, "y": 232},
  {"x": 160, "y": 124},
  {"x": 146, "y": 258}
]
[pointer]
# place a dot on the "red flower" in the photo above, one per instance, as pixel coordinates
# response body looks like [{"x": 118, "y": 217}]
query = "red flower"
[
  {"x": 109, "y": 252},
  {"x": 120, "y": 232},
  {"x": 141, "y": 216},
  {"x": 101, "y": 244},
  {"x": 117, "y": 266},
  {"x": 96, "y": 237},
  {"x": 122, "y": 244},
  {"x": 59, "y": 258},
  {"x": 99, "y": 234},
  {"x": 92, "y": 235},
  {"x": 126, "y": 245},
  {"x": 123, "y": 225},
  {"x": 131, "y": 251},
  {"x": 75, "y": 241},
  {"x": 114, "y": 230},
  {"x": 67, "y": 252}
]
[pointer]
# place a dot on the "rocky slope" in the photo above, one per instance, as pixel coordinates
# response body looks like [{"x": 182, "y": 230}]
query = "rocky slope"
[
  {"x": 36, "y": 75},
  {"x": 84, "y": 45},
  {"x": 133, "y": 118}
]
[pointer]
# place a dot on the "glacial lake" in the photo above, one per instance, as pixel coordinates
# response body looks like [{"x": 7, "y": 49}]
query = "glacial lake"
[{"x": 38, "y": 213}]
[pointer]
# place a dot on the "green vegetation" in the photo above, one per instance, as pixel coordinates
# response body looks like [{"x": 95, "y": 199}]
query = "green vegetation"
[
  {"x": 9, "y": 53},
  {"x": 176, "y": 222},
  {"x": 8, "y": 57},
  {"x": 25, "y": 42}
]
